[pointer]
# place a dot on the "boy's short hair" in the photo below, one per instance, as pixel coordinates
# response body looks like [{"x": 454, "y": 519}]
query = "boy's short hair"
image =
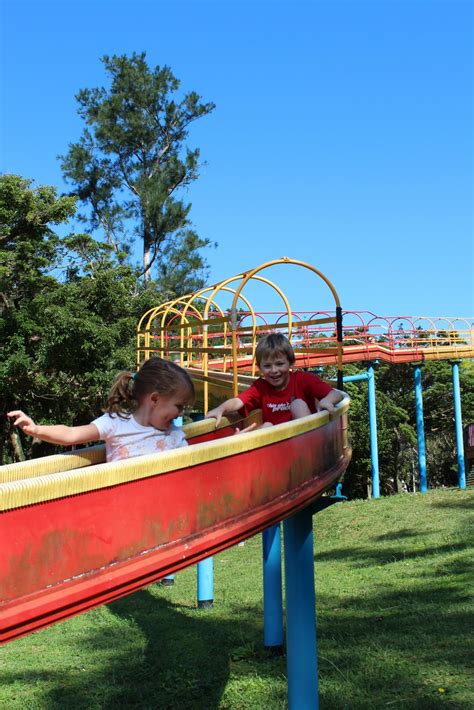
[{"x": 274, "y": 344}]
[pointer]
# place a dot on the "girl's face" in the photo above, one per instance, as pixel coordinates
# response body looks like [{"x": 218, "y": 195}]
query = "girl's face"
[
  {"x": 166, "y": 408},
  {"x": 275, "y": 370}
]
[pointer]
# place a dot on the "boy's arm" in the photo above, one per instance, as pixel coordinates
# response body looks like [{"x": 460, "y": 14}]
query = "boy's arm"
[
  {"x": 227, "y": 407},
  {"x": 327, "y": 403},
  {"x": 55, "y": 433}
]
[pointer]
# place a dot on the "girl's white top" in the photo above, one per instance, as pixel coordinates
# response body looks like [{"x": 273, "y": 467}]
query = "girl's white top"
[{"x": 125, "y": 437}]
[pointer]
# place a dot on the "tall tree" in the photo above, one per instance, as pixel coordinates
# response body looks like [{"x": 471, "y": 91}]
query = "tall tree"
[{"x": 131, "y": 162}]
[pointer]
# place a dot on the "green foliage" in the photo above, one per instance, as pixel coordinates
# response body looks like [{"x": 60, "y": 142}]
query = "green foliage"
[
  {"x": 27, "y": 242},
  {"x": 63, "y": 341},
  {"x": 131, "y": 162}
]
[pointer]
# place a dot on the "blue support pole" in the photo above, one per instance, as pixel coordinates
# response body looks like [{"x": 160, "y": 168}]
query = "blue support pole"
[
  {"x": 301, "y": 643},
  {"x": 420, "y": 428},
  {"x": 272, "y": 593},
  {"x": 205, "y": 568},
  {"x": 205, "y": 583},
  {"x": 168, "y": 581},
  {"x": 458, "y": 424},
  {"x": 374, "y": 446}
]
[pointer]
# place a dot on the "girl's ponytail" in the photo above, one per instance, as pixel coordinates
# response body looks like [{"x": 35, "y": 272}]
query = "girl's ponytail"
[
  {"x": 155, "y": 375},
  {"x": 121, "y": 399}
]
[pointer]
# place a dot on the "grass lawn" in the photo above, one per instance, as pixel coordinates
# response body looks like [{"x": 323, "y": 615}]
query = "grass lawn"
[{"x": 394, "y": 588}]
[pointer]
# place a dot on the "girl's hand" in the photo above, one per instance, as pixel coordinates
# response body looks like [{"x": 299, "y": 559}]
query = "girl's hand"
[{"x": 23, "y": 421}]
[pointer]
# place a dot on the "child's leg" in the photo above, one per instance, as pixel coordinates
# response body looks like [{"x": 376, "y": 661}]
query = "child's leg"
[{"x": 299, "y": 409}]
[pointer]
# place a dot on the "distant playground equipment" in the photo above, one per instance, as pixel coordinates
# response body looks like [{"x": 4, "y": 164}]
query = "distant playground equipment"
[{"x": 65, "y": 513}]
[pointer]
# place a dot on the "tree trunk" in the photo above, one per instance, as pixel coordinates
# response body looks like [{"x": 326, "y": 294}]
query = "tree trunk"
[
  {"x": 17, "y": 449},
  {"x": 146, "y": 254},
  {"x": 146, "y": 263}
]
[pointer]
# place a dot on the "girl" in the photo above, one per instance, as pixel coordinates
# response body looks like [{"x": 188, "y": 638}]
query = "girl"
[{"x": 139, "y": 414}]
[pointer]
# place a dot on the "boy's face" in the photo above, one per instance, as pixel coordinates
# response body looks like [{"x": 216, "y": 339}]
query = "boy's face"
[{"x": 275, "y": 369}]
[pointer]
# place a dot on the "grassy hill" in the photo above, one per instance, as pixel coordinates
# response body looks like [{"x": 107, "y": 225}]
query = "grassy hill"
[{"x": 394, "y": 588}]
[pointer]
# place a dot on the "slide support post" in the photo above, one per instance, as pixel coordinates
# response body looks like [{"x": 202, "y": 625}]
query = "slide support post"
[
  {"x": 272, "y": 590},
  {"x": 458, "y": 425},
  {"x": 420, "y": 428},
  {"x": 374, "y": 446},
  {"x": 301, "y": 640},
  {"x": 205, "y": 583}
]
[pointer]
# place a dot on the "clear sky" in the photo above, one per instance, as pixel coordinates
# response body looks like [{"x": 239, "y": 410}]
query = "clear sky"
[{"x": 342, "y": 137}]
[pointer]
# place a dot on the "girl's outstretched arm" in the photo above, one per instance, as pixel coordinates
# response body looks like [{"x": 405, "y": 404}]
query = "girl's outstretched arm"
[{"x": 55, "y": 433}]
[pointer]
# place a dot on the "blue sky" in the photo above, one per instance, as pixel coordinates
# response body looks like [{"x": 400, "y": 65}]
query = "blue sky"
[{"x": 342, "y": 137}]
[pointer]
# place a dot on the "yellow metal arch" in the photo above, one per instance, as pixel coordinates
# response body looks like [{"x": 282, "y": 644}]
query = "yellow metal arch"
[
  {"x": 204, "y": 326},
  {"x": 252, "y": 274}
]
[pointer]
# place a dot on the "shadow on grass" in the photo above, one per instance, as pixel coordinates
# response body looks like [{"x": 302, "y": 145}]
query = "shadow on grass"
[
  {"x": 148, "y": 653},
  {"x": 178, "y": 667},
  {"x": 398, "y": 535},
  {"x": 397, "y": 648},
  {"x": 383, "y": 648},
  {"x": 466, "y": 504},
  {"x": 387, "y": 555}
]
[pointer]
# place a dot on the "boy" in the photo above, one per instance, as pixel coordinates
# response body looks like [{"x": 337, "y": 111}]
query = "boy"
[{"x": 281, "y": 394}]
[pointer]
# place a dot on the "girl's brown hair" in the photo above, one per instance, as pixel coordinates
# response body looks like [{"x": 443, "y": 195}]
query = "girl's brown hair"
[
  {"x": 155, "y": 375},
  {"x": 274, "y": 344}
]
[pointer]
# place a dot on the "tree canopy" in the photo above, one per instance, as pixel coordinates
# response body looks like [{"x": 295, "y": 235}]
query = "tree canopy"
[
  {"x": 131, "y": 163},
  {"x": 68, "y": 313}
]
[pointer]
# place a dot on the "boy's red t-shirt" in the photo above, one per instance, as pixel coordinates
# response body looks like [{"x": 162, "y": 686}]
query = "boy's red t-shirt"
[{"x": 275, "y": 404}]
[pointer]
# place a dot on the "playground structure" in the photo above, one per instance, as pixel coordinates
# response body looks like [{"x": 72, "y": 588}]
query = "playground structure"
[
  {"x": 217, "y": 344},
  {"x": 65, "y": 513}
]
